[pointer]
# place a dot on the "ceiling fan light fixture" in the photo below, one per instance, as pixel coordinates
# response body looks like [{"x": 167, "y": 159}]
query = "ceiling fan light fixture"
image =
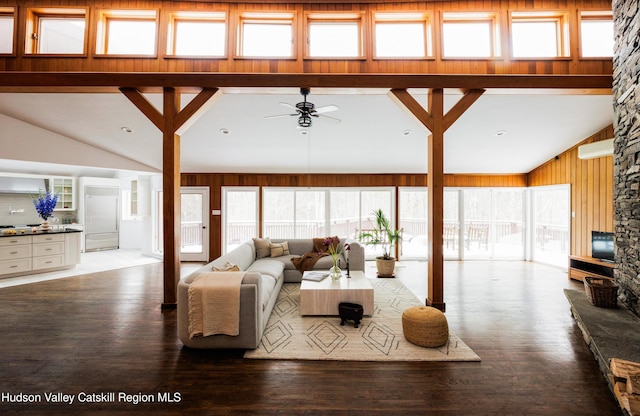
[{"x": 304, "y": 121}]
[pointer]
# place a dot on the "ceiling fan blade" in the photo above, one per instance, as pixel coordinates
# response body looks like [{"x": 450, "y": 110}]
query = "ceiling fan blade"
[
  {"x": 293, "y": 107},
  {"x": 333, "y": 119},
  {"x": 281, "y": 115},
  {"x": 327, "y": 108}
]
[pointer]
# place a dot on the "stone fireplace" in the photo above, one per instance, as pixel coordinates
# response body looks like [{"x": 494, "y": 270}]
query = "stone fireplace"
[{"x": 626, "y": 194}]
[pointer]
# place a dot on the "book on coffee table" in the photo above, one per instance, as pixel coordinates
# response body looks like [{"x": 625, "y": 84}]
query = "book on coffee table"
[{"x": 315, "y": 276}]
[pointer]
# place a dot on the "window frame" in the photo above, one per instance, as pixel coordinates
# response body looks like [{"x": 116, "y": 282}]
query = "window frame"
[
  {"x": 425, "y": 18},
  {"x": 105, "y": 16},
  {"x": 10, "y": 11},
  {"x": 563, "y": 40},
  {"x": 335, "y": 17},
  {"x": 491, "y": 17},
  {"x": 271, "y": 17},
  {"x": 34, "y": 16},
  {"x": 178, "y": 16},
  {"x": 592, "y": 15}
]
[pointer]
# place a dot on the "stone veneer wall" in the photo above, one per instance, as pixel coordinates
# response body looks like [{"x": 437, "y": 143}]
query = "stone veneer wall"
[{"x": 626, "y": 194}]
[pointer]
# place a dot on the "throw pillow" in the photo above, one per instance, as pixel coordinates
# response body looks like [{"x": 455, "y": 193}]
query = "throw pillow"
[
  {"x": 280, "y": 249},
  {"x": 263, "y": 247},
  {"x": 229, "y": 267}
]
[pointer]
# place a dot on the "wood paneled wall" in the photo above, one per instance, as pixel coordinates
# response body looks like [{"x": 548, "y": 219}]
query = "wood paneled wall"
[
  {"x": 161, "y": 63},
  {"x": 215, "y": 182},
  {"x": 591, "y": 190}
]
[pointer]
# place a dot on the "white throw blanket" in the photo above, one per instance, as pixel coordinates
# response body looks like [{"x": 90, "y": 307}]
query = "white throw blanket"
[{"x": 214, "y": 304}]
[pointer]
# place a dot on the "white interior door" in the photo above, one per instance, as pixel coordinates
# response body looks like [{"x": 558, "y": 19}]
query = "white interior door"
[{"x": 194, "y": 220}]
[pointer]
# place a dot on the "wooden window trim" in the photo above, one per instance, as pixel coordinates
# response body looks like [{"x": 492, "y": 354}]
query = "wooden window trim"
[
  {"x": 337, "y": 17},
  {"x": 32, "y": 24},
  {"x": 593, "y": 15},
  {"x": 270, "y": 17},
  {"x": 561, "y": 18},
  {"x": 490, "y": 17},
  {"x": 12, "y": 12},
  {"x": 425, "y": 18},
  {"x": 213, "y": 16},
  {"x": 105, "y": 16}
]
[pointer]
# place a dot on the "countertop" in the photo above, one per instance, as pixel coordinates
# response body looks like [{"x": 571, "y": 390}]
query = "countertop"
[{"x": 20, "y": 233}]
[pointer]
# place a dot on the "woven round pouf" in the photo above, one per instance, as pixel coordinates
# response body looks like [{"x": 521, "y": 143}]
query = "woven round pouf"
[{"x": 425, "y": 326}]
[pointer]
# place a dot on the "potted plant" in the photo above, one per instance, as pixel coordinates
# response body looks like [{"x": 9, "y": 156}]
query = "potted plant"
[{"x": 385, "y": 236}]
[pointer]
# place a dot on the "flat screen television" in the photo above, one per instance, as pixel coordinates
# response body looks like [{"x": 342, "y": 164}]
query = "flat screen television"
[{"x": 602, "y": 245}]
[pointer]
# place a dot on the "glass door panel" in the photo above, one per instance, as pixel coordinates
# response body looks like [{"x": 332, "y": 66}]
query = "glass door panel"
[
  {"x": 451, "y": 227},
  {"x": 310, "y": 214},
  {"x": 508, "y": 224},
  {"x": 278, "y": 210},
  {"x": 344, "y": 208},
  {"x": 194, "y": 220},
  {"x": 240, "y": 216},
  {"x": 477, "y": 223},
  {"x": 551, "y": 212},
  {"x": 413, "y": 222}
]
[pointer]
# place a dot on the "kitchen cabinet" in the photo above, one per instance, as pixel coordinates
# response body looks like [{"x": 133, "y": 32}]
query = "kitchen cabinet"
[
  {"x": 37, "y": 253},
  {"x": 140, "y": 197},
  {"x": 15, "y": 255},
  {"x": 65, "y": 188}
]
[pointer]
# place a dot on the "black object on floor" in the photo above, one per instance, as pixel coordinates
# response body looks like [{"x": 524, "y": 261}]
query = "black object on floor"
[{"x": 350, "y": 311}]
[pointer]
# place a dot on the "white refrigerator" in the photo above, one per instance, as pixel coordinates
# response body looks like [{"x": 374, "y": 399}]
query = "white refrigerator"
[{"x": 101, "y": 231}]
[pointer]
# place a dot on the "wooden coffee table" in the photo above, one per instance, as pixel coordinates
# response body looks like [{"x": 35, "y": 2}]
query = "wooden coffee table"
[{"x": 322, "y": 298}]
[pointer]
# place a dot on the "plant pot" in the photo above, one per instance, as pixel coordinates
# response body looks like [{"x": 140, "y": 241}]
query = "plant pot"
[{"x": 385, "y": 267}]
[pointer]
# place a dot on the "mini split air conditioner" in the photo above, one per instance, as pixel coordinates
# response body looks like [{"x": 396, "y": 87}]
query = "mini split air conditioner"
[{"x": 597, "y": 149}]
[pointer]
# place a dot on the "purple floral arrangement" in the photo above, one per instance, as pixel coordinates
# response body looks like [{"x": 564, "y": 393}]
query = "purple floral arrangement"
[{"x": 45, "y": 204}]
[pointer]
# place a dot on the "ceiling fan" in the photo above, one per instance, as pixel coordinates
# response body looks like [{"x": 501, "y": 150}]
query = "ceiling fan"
[{"x": 305, "y": 110}]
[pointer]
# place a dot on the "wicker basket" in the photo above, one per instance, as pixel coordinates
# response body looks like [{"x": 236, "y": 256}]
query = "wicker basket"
[{"x": 601, "y": 291}]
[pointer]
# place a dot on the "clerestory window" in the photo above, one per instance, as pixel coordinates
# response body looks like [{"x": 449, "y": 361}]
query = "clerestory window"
[
  {"x": 470, "y": 35},
  {"x": 266, "y": 35},
  {"x": 127, "y": 32},
  {"x": 60, "y": 31},
  {"x": 402, "y": 35},
  {"x": 334, "y": 35},
  {"x": 539, "y": 35},
  {"x": 197, "y": 34},
  {"x": 596, "y": 34},
  {"x": 7, "y": 30}
]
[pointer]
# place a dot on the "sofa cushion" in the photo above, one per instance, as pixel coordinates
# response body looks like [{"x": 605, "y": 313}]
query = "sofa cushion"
[
  {"x": 268, "y": 266},
  {"x": 268, "y": 285},
  {"x": 263, "y": 247},
  {"x": 280, "y": 249}
]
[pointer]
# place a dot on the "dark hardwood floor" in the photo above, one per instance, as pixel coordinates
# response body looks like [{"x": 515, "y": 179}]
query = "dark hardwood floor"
[{"x": 105, "y": 332}]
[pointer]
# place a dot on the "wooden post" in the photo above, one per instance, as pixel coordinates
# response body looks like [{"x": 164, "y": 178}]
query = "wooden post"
[
  {"x": 435, "y": 203},
  {"x": 172, "y": 122},
  {"x": 437, "y": 123},
  {"x": 171, "y": 197}
]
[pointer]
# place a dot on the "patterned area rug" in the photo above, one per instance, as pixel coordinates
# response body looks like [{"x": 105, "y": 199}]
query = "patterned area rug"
[{"x": 290, "y": 336}]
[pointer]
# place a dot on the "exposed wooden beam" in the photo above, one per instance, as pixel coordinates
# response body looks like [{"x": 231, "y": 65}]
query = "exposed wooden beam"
[
  {"x": 461, "y": 106},
  {"x": 145, "y": 106},
  {"x": 195, "y": 108},
  {"x": 437, "y": 122},
  {"x": 171, "y": 121},
  {"x": 406, "y": 102},
  {"x": 149, "y": 82},
  {"x": 171, "y": 196},
  {"x": 435, "y": 201}
]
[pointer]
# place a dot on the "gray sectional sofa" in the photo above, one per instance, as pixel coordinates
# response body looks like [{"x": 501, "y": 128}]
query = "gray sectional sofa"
[{"x": 259, "y": 290}]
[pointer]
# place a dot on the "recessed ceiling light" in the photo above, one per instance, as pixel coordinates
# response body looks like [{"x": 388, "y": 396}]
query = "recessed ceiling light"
[
  {"x": 304, "y": 132},
  {"x": 501, "y": 133},
  {"x": 224, "y": 131},
  {"x": 406, "y": 133},
  {"x": 126, "y": 129}
]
